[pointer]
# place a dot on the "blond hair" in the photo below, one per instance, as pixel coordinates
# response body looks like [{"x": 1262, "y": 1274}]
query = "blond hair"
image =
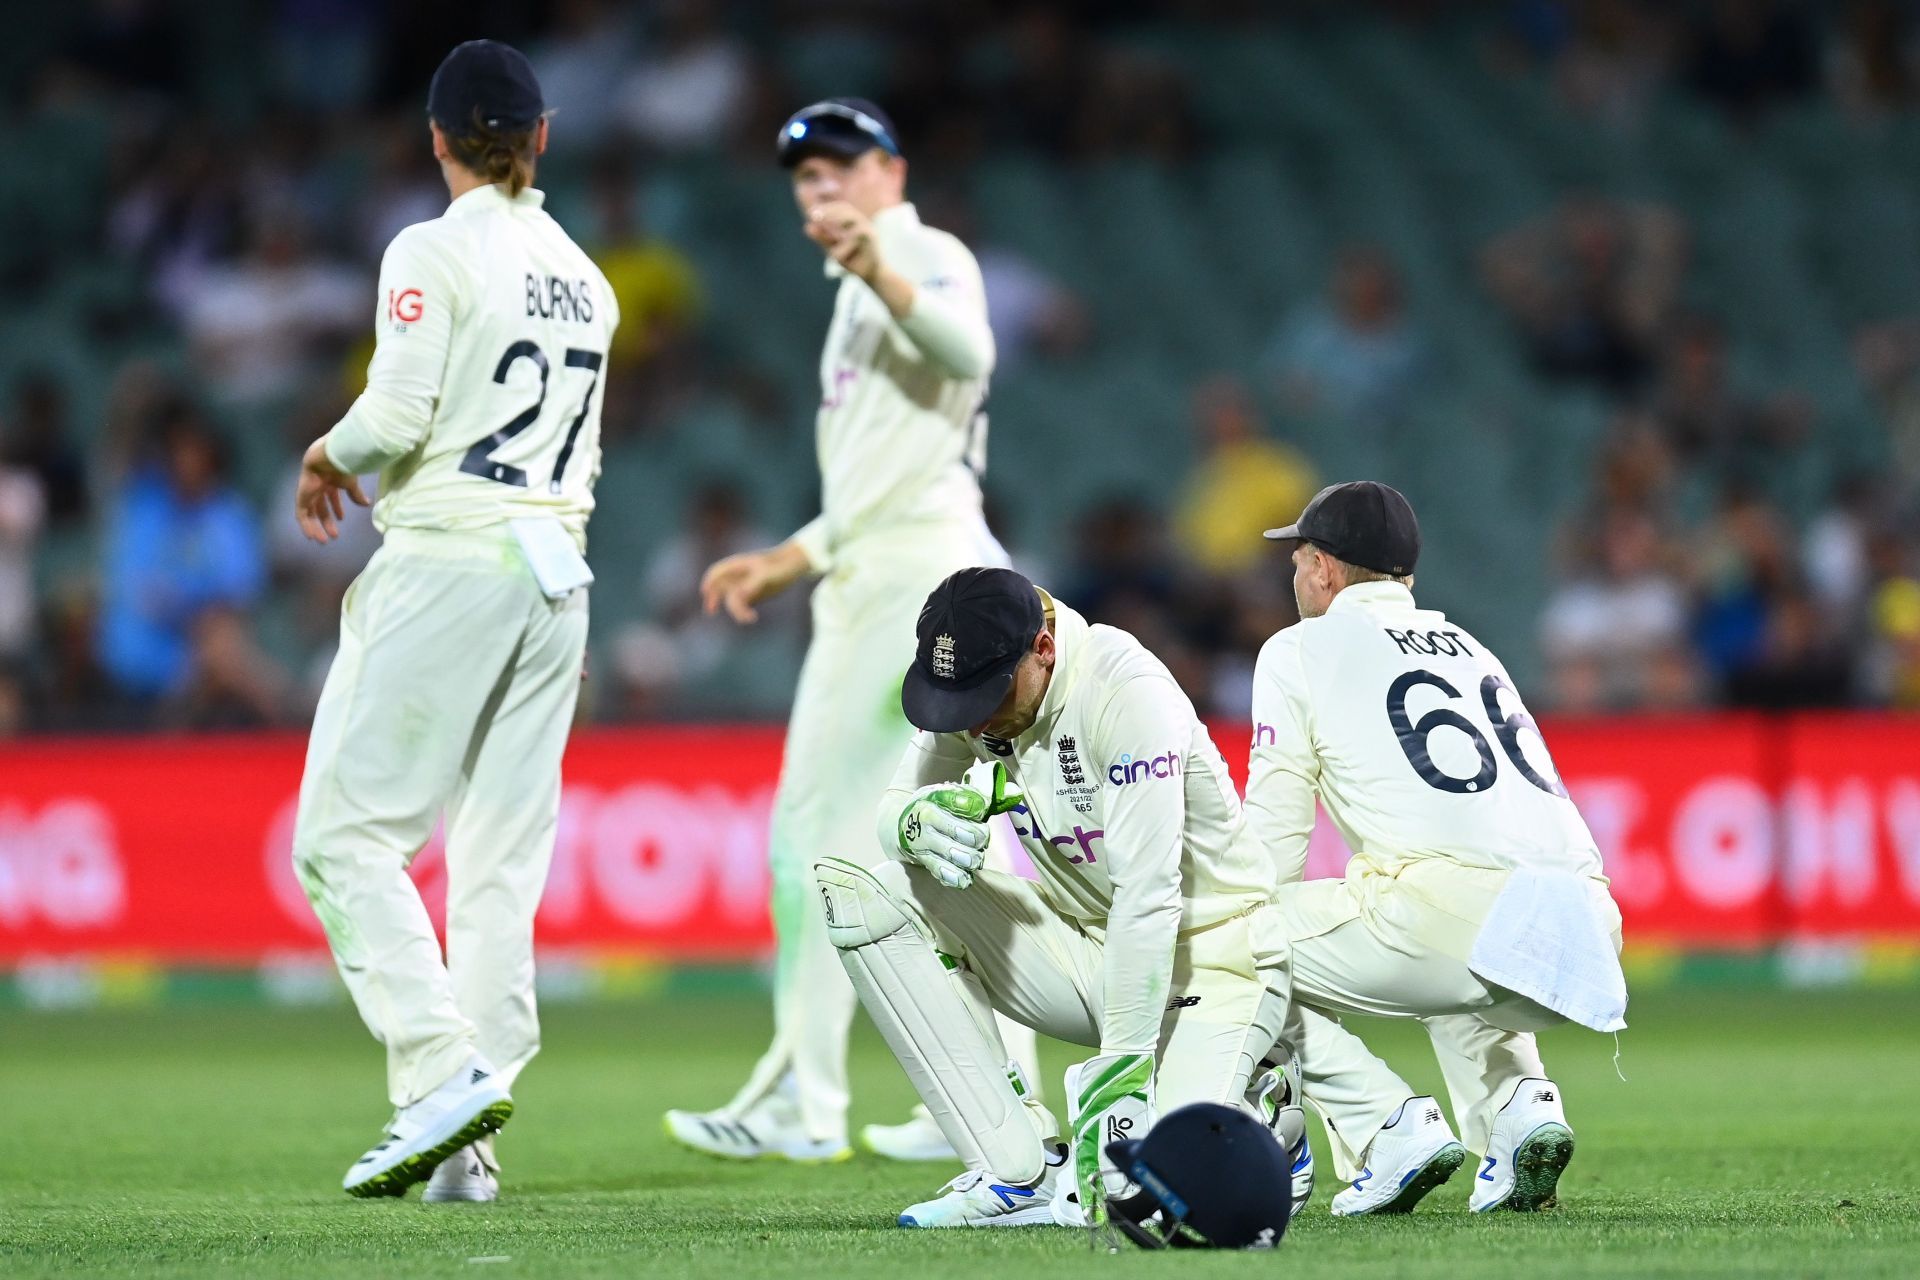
[{"x": 499, "y": 156}]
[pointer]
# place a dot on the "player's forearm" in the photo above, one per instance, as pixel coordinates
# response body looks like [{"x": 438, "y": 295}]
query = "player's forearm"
[
  {"x": 381, "y": 427},
  {"x": 922, "y": 765},
  {"x": 1139, "y": 973},
  {"x": 959, "y": 342},
  {"x": 1280, "y": 814}
]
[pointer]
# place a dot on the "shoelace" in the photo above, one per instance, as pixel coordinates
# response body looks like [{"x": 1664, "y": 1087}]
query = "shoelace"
[{"x": 965, "y": 1181}]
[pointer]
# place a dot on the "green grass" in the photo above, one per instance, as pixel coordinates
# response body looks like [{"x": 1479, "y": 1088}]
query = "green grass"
[{"x": 1758, "y": 1133}]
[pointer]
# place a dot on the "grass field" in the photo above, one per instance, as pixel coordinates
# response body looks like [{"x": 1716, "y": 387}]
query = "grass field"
[{"x": 1758, "y": 1133}]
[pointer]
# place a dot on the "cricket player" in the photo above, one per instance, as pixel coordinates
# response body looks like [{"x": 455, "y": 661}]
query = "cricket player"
[
  {"x": 1140, "y": 937},
  {"x": 1474, "y": 900},
  {"x": 901, "y": 444},
  {"x": 461, "y": 643}
]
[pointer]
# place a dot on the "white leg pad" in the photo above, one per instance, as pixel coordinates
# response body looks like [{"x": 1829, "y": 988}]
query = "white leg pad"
[{"x": 910, "y": 996}]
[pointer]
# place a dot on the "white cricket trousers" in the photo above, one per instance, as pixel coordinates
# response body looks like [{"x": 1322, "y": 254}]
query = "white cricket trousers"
[
  {"x": 1392, "y": 940},
  {"x": 453, "y": 692},
  {"x": 844, "y": 741},
  {"x": 1046, "y": 971}
]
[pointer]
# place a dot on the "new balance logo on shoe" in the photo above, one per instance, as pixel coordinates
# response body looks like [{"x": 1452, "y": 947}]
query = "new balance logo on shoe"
[
  {"x": 1007, "y": 1194},
  {"x": 1183, "y": 1002},
  {"x": 1543, "y": 1095},
  {"x": 1433, "y": 1115}
]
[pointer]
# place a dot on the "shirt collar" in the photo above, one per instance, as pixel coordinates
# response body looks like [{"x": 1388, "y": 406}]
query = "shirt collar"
[
  {"x": 492, "y": 195},
  {"x": 1366, "y": 595}
]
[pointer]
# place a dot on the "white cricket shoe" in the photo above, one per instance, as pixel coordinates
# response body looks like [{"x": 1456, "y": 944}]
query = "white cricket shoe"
[
  {"x": 470, "y": 1104},
  {"x": 1415, "y": 1153},
  {"x": 975, "y": 1199},
  {"x": 918, "y": 1139},
  {"x": 468, "y": 1175},
  {"x": 770, "y": 1129},
  {"x": 1529, "y": 1150}
]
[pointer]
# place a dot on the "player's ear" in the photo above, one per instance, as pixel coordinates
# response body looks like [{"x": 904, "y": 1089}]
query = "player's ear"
[
  {"x": 440, "y": 151},
  {"x": 540, "y": 138}
]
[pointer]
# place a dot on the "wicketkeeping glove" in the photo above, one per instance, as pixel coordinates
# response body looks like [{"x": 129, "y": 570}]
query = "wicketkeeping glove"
[
  {"x": 943, "y": 829},
  {"x": 1109, "y": 1099}
]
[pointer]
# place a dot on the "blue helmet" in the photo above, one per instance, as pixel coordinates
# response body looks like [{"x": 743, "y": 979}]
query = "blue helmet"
[{"x": 1210, "y": 1177}]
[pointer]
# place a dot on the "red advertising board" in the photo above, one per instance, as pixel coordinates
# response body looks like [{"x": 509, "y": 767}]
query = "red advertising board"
[{"x": 1721, "y": 831}]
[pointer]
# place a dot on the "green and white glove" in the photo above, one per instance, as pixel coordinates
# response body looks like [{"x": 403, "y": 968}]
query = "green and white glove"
[
  {"x": 943, "y": 829},
  {"x": 1109, "y": 1099},
  {"x": 1005, "y": 797}
]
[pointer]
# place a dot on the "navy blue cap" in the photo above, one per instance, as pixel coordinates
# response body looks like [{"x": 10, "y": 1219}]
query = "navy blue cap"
[
  {"x": 488, "y": 82},
  {"x": 1210, "y": 1177},
  {"x": 840, "y": 127},
  {"x": 972, "y": 633},
  {"x": 1362, "y": 522}
]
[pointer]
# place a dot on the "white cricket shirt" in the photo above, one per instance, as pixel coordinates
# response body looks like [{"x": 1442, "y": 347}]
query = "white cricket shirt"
[
  {"x": 1130, "y": 817},
  {"x": 1410, "y": 732},
  {"x": 901, "y": 433},
  {"x": 483, "y": 398}
]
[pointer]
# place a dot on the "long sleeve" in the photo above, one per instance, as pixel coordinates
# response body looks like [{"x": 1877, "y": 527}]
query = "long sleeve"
[
  {"x": 816, "y": 540},
  {"x": 930, "y": 758},
  {"x": 948, "y": 320},
  {"x": 413, "y": 330},
  {"x": 1283, "y": 772},
  {"x": 1143, "y": 845}
]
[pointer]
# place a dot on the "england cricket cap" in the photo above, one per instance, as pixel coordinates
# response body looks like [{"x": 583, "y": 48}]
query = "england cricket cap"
[
  {"x": 839, "y": 127},
  {"x": 972, "y": 633},
  {"x": 1210, "y": 1177},
  {"x": 487, "y": 81},
  {"x": 1363, "y": 522}
]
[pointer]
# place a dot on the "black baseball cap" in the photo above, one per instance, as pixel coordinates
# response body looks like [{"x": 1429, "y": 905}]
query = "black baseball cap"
[
  {"x": 1210, "y": 1177},
  {"x": 486, "y": 81},
  {"x": 1362, "y": 522},
  {"x": 972, "y": 633},
  {"x": 840, "y": 127}
]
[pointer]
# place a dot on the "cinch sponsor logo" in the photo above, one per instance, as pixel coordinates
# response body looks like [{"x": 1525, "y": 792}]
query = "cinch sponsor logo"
[
  {"x": 1027, "y": 827},
  {"x": 1132, "y": 770}
]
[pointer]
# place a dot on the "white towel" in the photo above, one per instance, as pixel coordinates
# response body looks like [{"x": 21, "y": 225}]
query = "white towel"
[{"x": 1544, "y": 940}]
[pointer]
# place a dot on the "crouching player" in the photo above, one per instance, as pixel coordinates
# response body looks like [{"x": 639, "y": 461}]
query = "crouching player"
[{"x": 1139, "y": 936}]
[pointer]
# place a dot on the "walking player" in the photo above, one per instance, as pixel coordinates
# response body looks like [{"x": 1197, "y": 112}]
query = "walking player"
[
  {"x": 461, "y": 643},
  {"x": 1474, "y": 900},
  {"x": 901, "y": 443}
]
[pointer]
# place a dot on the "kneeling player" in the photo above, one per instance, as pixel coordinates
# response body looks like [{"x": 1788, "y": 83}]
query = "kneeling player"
[{"x": 1139, "y": 936}]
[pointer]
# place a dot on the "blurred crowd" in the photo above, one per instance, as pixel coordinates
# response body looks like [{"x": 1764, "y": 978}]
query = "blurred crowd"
[{"x": 150, "y": 575}]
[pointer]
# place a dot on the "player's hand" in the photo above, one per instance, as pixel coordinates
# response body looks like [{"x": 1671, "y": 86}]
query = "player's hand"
[
  {"x": 943, "y": 830},
  {"x": 741, "y": 581},
  {"x": 1109, "y": 1099},
  {"x": 317, "y": 502},
  {"x": 847, "y": 236}
]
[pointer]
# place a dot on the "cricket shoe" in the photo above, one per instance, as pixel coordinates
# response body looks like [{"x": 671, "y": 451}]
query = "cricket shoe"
[
  {"x": 1529, "y": 1150},
  {"x": 1412, "y": 1155},
  {"x": 471, "y": 1104},
  {"x": 770, "y": 1129},
  {"x": 975, "y": 1199},
  {"x": 468, "y": 1175},
  {"x": 918, "y": 1139}
]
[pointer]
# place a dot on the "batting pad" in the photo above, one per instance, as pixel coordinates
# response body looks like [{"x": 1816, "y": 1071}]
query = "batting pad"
[{"x": 909, "y": 995}]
